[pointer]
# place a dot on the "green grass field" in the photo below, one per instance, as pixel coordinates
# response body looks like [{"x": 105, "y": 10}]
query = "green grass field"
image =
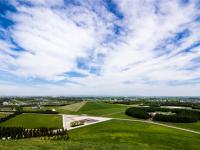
[
  {"x": 192, "y": 126},
  {"x": 101, "y": 108},
  {"x": 34, "y": 121},
  {"x": 109, "y": 135},
  {"x": 73, "y": 107},
  {"x": 114, "y": 134}
]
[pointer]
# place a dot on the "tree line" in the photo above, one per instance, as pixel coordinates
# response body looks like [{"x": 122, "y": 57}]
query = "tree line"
[
  {"x": 9, "y": 116},
  {"x": 180, "y": 115},
  {"x": 20, "y": 132}
]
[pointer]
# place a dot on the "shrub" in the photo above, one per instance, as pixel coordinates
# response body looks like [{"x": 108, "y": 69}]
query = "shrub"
[
  {"x": 19, "y": 132},
  {"x": 181, "y": 115},
  {"x": 9, "y": 116},
  {"x": 77, "y": 123},
  {"x": 175, "y": 118},
  {"x": 137, "y": 112}
]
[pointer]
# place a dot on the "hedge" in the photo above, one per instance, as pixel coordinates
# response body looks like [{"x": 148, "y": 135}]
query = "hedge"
[{"x": 181, "y": 115}]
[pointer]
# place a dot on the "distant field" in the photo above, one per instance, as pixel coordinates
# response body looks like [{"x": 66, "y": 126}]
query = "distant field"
[
  {"x": 34, "y": 121},
  {"x": 119, "y": 115},
  {"x": 101, "y": 108},
  {"x": 73, "y": 107},
  {"x": 111, "y": 135}
]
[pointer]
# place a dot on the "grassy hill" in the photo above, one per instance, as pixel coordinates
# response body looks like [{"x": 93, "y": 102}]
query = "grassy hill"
[
  {"x": 34, "y": 121},
  {"x": 114, "y": 135},
  {"x": 101, "y": 108},
  {"x": 192, "y": 126},
  {"x": 72, "y": 107}
]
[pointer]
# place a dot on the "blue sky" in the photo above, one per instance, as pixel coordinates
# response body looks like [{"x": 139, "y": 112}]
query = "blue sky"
[{"x": 100, "y": 47}]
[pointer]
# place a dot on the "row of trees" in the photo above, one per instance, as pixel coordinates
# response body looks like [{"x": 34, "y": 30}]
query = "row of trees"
[
  {"x": 175, "y": 118},
  {"x": 158, "y": 103},
  {"x": 40, "y": 111},
  {"x": 9, "y": 116},
  {"x": 181, "y": 115},
  {"x": 20, "y": 132}
]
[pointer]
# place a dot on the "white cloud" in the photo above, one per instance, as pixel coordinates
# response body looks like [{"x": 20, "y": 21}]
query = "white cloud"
[{"x": 53, "y": 40}]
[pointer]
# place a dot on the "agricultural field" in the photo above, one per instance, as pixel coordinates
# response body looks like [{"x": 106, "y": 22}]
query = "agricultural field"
[
  {"x": 114, "y": 134},
  {"x": 34, "y": 121}
]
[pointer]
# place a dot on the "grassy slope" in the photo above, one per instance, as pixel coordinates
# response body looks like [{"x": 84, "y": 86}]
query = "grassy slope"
[
  {"x": 101, "y": 109},
  {"x": 192, "y": 126},
  {"x": 115, "y": 135},
  {"x": 34, "y": 120},
  {"x": 73, "y": 107}
]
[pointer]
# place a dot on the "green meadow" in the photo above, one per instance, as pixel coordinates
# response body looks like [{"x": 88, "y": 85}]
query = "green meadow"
[
  {"x": 34, "y": 121},
  {"x": 111, "y": 135}
]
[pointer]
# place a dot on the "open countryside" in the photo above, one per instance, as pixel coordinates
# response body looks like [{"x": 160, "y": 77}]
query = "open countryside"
[
  {"x": 99, "y": 74},
  {"x": 105, "y": 125}
]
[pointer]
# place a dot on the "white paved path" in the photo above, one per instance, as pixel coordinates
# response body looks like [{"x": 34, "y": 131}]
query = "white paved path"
[{"x": 152, "y": 122}]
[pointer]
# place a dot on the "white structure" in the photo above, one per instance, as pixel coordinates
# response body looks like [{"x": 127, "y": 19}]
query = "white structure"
[{"x": 67, "y": 119}]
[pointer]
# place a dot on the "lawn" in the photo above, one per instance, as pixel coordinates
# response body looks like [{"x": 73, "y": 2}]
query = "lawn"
[
  {"x": 34, "y": 121},
  {"x": 72, "y": 107},
  {"x": 88, "y": 107},
  {"x": 114, "y": 134},
  {"x": 119, "y": 115},
  {"x": 192, "y": 126}
]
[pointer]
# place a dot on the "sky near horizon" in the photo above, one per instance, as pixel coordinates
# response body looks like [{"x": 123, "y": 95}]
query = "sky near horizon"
[{"x": 100, "y": 47}]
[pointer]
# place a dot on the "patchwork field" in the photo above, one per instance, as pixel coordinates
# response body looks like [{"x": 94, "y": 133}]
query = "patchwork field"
[
  {"x": 34, "y": 121},
  {"x": 115, "y": 134}
]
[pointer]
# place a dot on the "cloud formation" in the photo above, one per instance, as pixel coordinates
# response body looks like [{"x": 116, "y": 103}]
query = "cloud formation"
[{"x": 102, "y": 47}]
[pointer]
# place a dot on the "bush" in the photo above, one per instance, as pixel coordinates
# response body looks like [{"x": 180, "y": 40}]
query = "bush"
[
  {"x": 77, "y": 123},
  {"x": 175, "y": 118},
  {"x": 9, "y": 116},
  {"x": 137, "y": 112},
  {"x": 41, "y": 112},
  {"x": 181, "y": 115},
  {"x": 19, "y": 132}
]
